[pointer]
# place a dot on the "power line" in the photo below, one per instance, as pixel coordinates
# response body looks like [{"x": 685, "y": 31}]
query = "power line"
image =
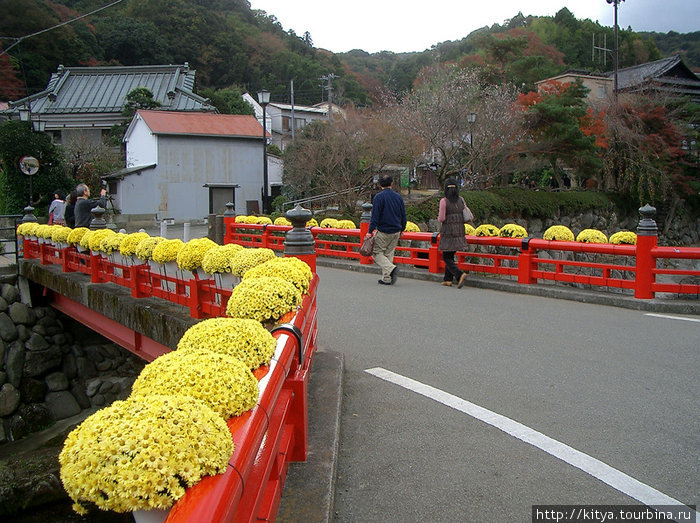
[{"x": 19, "y": 39}]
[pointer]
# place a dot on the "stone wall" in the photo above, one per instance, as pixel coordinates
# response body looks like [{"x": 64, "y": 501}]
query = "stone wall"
[{"x": 51, "y": 367}]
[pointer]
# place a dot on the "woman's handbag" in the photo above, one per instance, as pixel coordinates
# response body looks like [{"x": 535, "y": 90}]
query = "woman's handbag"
[
  {"x": 467, "y": 213},
  {"x": 367, "y": 246}
]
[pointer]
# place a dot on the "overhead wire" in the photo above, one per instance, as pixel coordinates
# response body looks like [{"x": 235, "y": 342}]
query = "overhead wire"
[{"x": 21, "y": 38}]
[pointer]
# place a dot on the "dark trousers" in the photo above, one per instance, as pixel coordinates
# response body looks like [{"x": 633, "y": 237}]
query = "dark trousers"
[{"x": 452, "y": 272}]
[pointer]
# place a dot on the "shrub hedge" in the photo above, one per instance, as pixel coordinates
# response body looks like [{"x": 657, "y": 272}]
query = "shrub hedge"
[{"x": 513, "y": 201}]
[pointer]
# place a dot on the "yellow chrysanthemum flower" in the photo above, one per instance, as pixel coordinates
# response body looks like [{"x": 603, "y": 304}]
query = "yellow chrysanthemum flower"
[
  {"x": 143, "y": 453},
  {"x": 329, "y": 223},
  {"x": 222, "y": 382},
  {"x": 243, "y": 339},
  {"x": 144, "y": 249},
  {"x": 558, "y": 233},
  {"x": 591, "y": 236},
  {"x": 284, "y": 268},
  {"x": 486, "y": 229},
  {"x": 246, "y": 259},
  {"x": 190, "y": 256},
  {"x": 411, "y": 227},
  {"x": 263, "y": 299},
  {"x": 623, "y": 238},
  {"x": 167, "y": 251},
  {"x": 512, "y": 230},
  {"x": 77, "y": 234},
  {"x": 129, "y": 244}
]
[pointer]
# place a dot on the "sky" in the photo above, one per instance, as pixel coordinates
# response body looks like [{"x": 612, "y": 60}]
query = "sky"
[{"x": 405, "y": 26}]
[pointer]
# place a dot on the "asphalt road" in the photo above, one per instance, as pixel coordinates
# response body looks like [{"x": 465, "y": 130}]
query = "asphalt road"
[{"x": 617, "y": 385}]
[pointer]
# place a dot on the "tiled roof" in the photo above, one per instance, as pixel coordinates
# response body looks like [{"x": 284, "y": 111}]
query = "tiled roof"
[
  {"x": 202, "y": 124},
  {"x": 81, "y": 90},
  {"x": 640, "y": 74}
]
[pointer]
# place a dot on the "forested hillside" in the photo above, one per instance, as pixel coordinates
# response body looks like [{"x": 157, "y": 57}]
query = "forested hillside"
[{"x": 232, "y": 45}]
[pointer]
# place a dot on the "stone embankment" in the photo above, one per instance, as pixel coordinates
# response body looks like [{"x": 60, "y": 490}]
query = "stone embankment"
[
  {"x": 53, "y": 372},
  {"x": 53, "y": 368}
]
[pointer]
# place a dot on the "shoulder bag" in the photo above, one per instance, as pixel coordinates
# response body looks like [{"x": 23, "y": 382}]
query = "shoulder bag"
[
  {"x": 367, "y": 246},
  {"x": 466, "y": 213}
]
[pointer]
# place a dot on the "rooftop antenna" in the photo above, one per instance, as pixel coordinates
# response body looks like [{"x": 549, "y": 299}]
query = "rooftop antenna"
[{"x": 602, "y": 51}]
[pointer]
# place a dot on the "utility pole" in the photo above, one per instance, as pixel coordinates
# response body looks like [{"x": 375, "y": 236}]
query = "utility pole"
[
  {"x": 615, "y": 55},
  {"x": 329, "y": 78},
  {"x": 291, "y": 89}
]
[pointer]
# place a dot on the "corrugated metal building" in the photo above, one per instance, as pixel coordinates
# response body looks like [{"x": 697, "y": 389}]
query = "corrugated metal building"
[
  {"x": 90, "y": 100},
  {"x": 186, "y": 166}
]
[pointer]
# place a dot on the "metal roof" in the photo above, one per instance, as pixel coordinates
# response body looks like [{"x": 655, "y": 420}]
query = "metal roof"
[
  {"x": 200, "y": 124},
  {"x": 86, "y": 90}
]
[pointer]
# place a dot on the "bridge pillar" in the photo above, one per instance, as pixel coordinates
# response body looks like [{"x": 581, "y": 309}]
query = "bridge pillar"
[
  {"x": 364, "y": 228},
  {"x": 299, "y": 242},
  {"x": 647, "y": 236}
]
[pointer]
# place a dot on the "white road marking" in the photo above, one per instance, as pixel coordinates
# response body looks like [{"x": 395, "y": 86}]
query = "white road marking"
[
  {"x": 669, "y": 317},
  {"x": 596, "y": 468}
]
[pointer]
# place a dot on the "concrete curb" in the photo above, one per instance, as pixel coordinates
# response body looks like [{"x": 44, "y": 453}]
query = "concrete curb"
[
  {"x": 558, "y": 291},
  {"x": 309, "y": 489}
]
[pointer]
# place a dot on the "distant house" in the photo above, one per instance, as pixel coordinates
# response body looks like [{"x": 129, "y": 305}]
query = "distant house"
[
  {"x": 186, "y": 166},
  {"x": 670, "y": 76},
  {"x": 281, "y": 118},
  {"x": 88, "y": 101}
]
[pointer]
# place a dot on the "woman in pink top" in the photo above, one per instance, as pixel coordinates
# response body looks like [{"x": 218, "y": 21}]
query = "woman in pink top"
[{"x": 452, "y": 235}]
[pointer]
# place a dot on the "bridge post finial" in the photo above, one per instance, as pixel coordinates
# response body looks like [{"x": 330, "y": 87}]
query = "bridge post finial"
[
  {"x": 98, "y": 221},
  {"x": 299, "y": 241},
  {"x": 29, "y": 215}
]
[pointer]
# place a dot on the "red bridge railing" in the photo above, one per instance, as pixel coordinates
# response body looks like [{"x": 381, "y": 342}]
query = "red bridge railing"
[
  {"x": 267, "y": 437},
  {"x": 527, "y": 261}
]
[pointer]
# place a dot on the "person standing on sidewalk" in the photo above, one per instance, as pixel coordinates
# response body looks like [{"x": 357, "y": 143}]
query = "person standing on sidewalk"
[
  {"x": 84, "y": 206},
  {"x": 451, "y": 218},
  {"x": 389, "y": 220}
]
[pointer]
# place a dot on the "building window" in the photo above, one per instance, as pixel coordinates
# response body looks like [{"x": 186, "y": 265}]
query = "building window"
[
  {"x": 601, "y": 92},
  {"x": 286, "y": 120}
]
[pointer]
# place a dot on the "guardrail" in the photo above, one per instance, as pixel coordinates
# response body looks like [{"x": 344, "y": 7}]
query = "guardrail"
[
  {"x": 267, "y": 437},
  {"x": 528, "y": 261}
]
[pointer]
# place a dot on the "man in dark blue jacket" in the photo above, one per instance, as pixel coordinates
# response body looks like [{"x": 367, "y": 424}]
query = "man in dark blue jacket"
[{"x": 389, "y": 219}]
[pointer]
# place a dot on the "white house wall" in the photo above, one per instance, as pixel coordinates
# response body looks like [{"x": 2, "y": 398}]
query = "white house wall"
[
  {"x": 142, "y": 145},
  {"x": 174, "y": 188}
]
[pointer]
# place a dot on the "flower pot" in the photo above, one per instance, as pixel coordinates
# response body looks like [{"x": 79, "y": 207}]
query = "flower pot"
[
  {"x": 226, "y": 280},
  {"x": 155, "y": 515}
]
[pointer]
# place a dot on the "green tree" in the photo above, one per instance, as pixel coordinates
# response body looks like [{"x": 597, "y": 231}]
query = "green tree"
[
  {"x": 138, "y": 98},
  {"x": 553, "y": 120},
  {"x": 131, "y": 42},
  {"x": 17, "y": 139},
  {"x": 228, "y": 100}
]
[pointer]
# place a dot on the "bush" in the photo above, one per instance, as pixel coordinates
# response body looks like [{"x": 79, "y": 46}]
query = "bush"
[{"x": 508, "y": 202}]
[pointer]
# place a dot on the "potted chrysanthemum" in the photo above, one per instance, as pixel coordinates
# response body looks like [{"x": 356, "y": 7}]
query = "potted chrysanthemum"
[
  {"x": 246, "y": 259},
  {"x": 244, "y": 339},
  {"x": 217, "y": 264},
  {"x": 265, "y": 299},
  {"x": 190, "y": 256},
  {"x": 142, "y": 453}
]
